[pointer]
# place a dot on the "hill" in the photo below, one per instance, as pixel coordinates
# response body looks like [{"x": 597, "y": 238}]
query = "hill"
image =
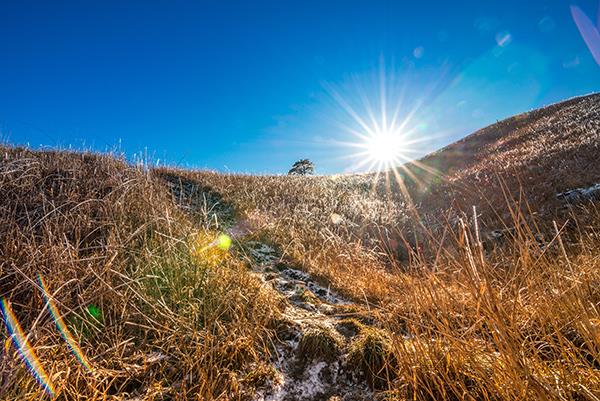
[
  {"x": 473, "y": 276},
  {"x": 537, "y": 154}
]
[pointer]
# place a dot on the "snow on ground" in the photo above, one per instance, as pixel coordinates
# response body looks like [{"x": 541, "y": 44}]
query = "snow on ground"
[
  {"x": 580, "y": 194},
  {"x": 298, "y": 379}
]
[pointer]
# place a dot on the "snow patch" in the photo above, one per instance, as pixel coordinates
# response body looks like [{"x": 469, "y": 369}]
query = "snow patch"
[
  {"x": 262, "y": 253},
  {"x": 580, "y": 194},
  {"x": 320, "y": 292},
  {"x": 310, "y": 305}
]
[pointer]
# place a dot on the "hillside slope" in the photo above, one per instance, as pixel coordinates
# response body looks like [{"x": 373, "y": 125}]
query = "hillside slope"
[{"x": 538, "y": 155}]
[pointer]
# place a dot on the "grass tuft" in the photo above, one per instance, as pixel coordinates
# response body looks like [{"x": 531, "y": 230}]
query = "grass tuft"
[
  {"x": 320, "y": 343},
  {"x": 372, "y": 353}
]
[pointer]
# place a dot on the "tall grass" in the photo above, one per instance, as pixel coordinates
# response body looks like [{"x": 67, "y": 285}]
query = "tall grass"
[
  {"x": 464, "y": 316},
  {"x": 497, "y": 301},
  {"x": 493, "y": 302},
  {"x": 108, "y": 235}
]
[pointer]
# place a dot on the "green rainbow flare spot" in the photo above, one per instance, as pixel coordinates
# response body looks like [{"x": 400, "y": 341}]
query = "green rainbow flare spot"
[
  {"x": 94, "y": 312},
  {"x": 224, "y": 242}
]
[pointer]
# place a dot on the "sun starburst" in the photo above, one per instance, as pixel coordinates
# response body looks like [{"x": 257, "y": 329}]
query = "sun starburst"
[{"x": 388, "y": 133}]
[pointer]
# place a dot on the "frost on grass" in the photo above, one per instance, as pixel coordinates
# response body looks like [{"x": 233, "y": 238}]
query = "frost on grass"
[
  {"x": 261, "y": 253},
  {"x": 289, "y": 281},
  {"x": 580, "y": 194},
  {"x": 309, "y": 376},
  {"x": 311, "y": 358},
  {"x": 300, "y": 277}
]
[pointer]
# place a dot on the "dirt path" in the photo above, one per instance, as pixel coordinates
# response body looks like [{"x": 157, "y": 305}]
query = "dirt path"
[
  {"x": 311, "y": 355},
  {"x": 311, "y": 352}
]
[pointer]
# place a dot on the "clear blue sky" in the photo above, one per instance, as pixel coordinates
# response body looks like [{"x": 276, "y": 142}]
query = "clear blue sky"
[{"x": 252, "y": 86}]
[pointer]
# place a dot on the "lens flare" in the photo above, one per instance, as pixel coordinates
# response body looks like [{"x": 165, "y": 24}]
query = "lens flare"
[
  {"x": 224, "y": 242},
  {"x": 25, "y": 349},
  {"x": 589, "y": 31},
  {"x": 62, "y": 327},
  {"x": 209, "y": 250},
  {"x": 95, "y": 312}
]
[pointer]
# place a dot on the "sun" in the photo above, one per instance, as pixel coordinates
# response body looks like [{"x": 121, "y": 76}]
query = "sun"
[
  {"x": 380, "y": 148},
  {"x": 382, "y": 133},
  {"x": 384, "y": 148},
  {"x": 380, "y": 130}
]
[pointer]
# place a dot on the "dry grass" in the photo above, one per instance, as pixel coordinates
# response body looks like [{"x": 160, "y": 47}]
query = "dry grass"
[
  {"x": 106, "y": 234},
  {"x": 474, "y": 318},
  {"x": 457, "y": 315}
]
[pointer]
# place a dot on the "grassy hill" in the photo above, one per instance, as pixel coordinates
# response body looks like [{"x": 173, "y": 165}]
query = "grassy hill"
[
  {"x": 537, "y": 155},
  {"x": 464, "y": 277}
]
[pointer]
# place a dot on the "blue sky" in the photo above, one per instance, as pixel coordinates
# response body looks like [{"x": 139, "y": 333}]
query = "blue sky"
[{"x": 252, "y": 86}]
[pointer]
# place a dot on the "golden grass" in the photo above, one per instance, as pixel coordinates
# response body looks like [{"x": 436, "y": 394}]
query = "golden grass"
[
  {"x": 106, "y": 234},
  {"x": 516, "y": 322},
  {"x": 454, "y": 314},
  {"x": 469, "y": 317}
]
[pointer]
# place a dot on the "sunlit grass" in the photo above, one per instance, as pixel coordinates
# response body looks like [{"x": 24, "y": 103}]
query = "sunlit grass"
[{"x": 165, "y": 307}]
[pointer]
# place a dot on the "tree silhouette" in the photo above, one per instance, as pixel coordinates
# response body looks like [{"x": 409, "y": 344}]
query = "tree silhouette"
[{"x": 302, "y": 167}]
